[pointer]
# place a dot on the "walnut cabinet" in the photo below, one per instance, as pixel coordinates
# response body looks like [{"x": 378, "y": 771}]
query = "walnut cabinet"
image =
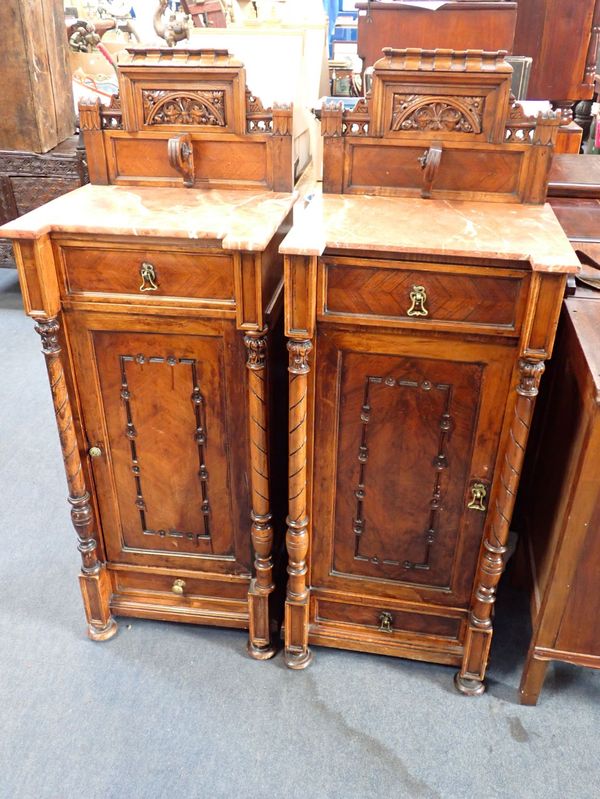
[
  {"x": 419, "y": 313},
  {"x": 158, "y": 296}
]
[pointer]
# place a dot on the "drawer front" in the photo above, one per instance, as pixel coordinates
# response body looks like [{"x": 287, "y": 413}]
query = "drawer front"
[
  {"x": 386, "y": 622},
  {"x": 179, "y": 597},
  {"x": 424, "y": 294},
  {"x": 179, "y": 586},
  {"x": 148, "y": 274}
]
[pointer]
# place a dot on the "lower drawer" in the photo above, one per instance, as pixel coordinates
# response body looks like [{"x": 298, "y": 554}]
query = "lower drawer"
[
  {"x": 385, "y": 621},
  {"x": 180, "y": 597}
]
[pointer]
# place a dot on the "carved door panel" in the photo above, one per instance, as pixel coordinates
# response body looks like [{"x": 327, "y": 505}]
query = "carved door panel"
[
  {"x": 167, "y": 411},
  {"x": 416, "y": 431}
]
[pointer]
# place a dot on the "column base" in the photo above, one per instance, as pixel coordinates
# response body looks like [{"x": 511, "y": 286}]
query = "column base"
[
  {"x": 469, "y": 686},
  {"x": 103, "y": 633},
  {"x": 298, "y": 660},
  {"x": 261, "y": 652}
]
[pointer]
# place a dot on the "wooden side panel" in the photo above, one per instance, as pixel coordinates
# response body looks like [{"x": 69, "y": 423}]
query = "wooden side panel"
[
  {"x": 136, "y": 159},
  {"x": 37, "y": 113},
  {"x": 478, "y": 171}
]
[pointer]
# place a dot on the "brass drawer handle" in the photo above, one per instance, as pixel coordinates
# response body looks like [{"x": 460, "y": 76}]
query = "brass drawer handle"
[
  {"x": 178, "y": 587},
  {"x": 148, "y": 275},
  {"x": 478, "y": 494},
  {"x": 386, "y": 622},
  {"x": 418, "y": 298}
]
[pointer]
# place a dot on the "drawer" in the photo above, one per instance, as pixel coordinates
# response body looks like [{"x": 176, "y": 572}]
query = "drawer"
[
  {"x": 428, "y": 295},
  {"x": 148, "y": 274},
  {"x": 179, "y": 587},
  {"x": 385, "y": 622}
]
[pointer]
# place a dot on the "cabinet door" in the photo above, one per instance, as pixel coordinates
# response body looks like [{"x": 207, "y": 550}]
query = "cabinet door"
[
  {"x": 406, "y": 426},
  {"x": 164, "y": 400}
]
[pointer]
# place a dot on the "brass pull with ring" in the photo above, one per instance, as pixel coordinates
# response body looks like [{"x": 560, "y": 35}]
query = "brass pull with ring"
[
  {"x": 478, "y": 494},
  {"x": 418, "y": 298},
  {"x": 386, "y": 622},
  {"x": 148, "y": 275},
  {"x": 178, "y": 587}
]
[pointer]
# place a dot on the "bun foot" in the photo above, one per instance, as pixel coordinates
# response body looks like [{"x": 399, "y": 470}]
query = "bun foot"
[
  {"x": 298, "y": 660},
  {"x": 468, "y": 686},
  {"x": 103, "y": 633},
  {"x": 261, "y": 652}
]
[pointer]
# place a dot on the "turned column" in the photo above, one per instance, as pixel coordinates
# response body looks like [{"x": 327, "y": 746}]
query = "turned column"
[
  {"x": 261, "y": 587},
  {"x": 94, "y": 580},
  {"x": 297, "y": 653},
  {"x": 469, "y": 680}
]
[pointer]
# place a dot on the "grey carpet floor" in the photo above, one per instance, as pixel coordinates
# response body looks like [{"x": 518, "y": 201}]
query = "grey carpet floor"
[{"x": 167, "y": 710}]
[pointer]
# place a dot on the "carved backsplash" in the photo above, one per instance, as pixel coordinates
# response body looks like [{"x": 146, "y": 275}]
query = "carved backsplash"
[
  {"x": 426, "y": 112},
  {"x": 163, "y": 107}
]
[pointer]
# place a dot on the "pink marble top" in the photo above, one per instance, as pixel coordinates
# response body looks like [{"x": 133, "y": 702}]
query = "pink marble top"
[
  {"x": 436, "y": 227},
  {"x": 241, "y": 220}
]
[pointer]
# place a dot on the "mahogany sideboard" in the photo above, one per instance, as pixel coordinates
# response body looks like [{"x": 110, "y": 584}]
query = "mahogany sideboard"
[
  {"x": 561, "y": 506},
  {"x": 423, "y": 290},
  {"x": 156, "y": 292}
]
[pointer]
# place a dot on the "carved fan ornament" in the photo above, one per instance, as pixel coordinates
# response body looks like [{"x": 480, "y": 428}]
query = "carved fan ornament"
[
  {"x": 163, "y": 107},
  {"x": 422, "y": 112}
]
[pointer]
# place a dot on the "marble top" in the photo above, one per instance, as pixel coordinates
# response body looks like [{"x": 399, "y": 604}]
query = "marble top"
[
  {"x": 435, "y": 227},
  {"x": 241, "y": 220}
]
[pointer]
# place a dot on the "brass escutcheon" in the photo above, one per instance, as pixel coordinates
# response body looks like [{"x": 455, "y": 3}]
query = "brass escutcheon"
[
  {"x": 148, "y": 275},
  {"x": 386, "y": 622},
  {"x": 178, "y": 587},
  {"x": 418, "y": 298},
  {"x": 478, "y": 492}
]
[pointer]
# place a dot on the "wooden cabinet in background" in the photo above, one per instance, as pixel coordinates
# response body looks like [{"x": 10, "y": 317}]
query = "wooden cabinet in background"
[
  {"x": 457, "y": 25},
  {"x": 28, "y": 180},
  {"x": 561, "y": 502},
  {"x": 562, "y": 37},
  {"x": 159, "y": 308},
  {"x": 422, "y": 295}
]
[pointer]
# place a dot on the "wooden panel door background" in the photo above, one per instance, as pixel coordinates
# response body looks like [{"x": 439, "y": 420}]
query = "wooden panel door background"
[
  {"x": 415, "y": 431},
  {"x": 158, "y": 405}
]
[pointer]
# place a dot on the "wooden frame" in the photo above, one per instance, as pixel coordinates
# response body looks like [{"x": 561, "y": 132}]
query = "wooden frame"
[
  {"x": 163, "y": 93},
  {"x": 478, "y": 144}
]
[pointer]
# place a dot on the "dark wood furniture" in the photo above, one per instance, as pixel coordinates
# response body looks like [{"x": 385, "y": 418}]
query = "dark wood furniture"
[
  {"x": 458, "y": 24},
  {"x": 562, "y": 501},
  {"x": 38, "y": 110},
  {"x": 574, "y": 193},
  {"x": 422, "y": 295},
  {"x": 28, "y": 180},
  {"x": 156, "y": 305},
  {"x": 562, "y": 37}
]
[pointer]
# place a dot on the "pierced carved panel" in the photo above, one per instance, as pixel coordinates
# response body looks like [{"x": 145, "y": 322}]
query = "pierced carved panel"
[
  {"x": 414, "y": 112},
  {"x": 203, "y": 108}
]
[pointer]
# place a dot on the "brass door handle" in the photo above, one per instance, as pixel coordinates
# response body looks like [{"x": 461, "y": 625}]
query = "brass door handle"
[
  {"x": 478, "y": 494},
  {"x": 386, "y": 622},
  {"x": 148, "y": 275},
  {"x": 418, "y": 298},
  {"x": 178, "y": 587}
]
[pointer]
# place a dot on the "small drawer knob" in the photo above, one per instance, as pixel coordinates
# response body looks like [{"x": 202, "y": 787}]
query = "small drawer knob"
[
  {"x": 178, "y": 587},
  {"x": 94, "y": 452}
]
